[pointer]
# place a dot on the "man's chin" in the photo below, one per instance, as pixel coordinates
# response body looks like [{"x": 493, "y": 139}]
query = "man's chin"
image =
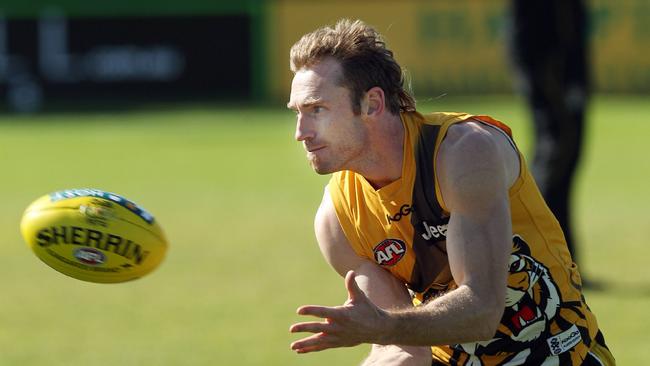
[{"x": 321, "y": 169}]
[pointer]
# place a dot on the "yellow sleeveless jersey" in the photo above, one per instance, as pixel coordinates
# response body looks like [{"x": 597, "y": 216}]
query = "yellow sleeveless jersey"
[{"x": 403, "y": 226}]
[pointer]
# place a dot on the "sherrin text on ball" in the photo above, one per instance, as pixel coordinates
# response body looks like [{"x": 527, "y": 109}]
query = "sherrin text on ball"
[{"x": 93, "y": 235}]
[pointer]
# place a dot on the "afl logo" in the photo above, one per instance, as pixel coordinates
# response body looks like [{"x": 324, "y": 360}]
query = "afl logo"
[
  {"x": 89, "y": 256},
  {"x": 389, "y": 252}
]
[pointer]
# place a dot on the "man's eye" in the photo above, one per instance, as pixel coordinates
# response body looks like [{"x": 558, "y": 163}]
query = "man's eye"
[{"x": 317, "y": 109}]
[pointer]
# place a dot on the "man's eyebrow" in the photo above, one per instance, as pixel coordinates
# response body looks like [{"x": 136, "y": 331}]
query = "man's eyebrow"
[{"x": 309, "y": 101}]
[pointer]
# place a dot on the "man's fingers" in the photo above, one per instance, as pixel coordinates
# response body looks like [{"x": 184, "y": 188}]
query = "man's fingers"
[
  {"x": 319, "y": 311},
  {"x": 354, "y": 292},
  {"x": 314, "y": 343},
  {"x": 312, "y": 349},
  {"x": 311, "y": 327}
]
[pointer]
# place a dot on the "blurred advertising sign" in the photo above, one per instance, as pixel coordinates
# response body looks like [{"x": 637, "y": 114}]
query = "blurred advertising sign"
[
  {"x": 446, "y": 46},
  {"x": 620, "y": 35},
  {"x": 106, "y": 59},
  {"x": 460, "y": 46}
]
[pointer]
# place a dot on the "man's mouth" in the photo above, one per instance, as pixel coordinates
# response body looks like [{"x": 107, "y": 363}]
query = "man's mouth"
[{"x": 314, "y": 149}]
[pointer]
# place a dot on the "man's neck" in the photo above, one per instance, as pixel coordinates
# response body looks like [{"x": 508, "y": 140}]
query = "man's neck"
[{"x": 387, "y": 152}]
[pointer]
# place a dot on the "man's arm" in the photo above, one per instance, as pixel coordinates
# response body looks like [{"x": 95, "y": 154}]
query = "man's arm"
[
  {"x": 380, "y": 286},
  {"x": 475, "y": 167}
]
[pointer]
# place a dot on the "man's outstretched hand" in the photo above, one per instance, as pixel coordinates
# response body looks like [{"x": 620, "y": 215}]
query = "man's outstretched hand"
[{"x": 355, "y": 322}]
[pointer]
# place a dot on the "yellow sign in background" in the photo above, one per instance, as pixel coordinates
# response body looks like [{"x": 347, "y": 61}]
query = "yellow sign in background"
[
  {"x": 620, "y": 40},
  {"x": 459, "y": 46}
]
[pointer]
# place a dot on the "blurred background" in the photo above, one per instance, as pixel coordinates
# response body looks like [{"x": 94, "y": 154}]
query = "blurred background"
[
  {"x": 179, "y": 106},
  {"x": 73, "y": 53}
]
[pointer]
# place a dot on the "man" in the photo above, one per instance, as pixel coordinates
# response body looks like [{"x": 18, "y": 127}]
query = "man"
[
  {"x": 549, "y": 47},
  {"x": 440, "y": 206}
]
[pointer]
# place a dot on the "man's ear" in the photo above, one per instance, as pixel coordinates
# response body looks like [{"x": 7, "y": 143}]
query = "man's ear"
[{"x": 374, "y": 102}]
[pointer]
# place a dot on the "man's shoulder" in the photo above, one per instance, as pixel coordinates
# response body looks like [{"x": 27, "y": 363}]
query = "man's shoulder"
[
  {"x": 440, "y": 117},
  {"x": 472, "y": 132},
  {"x": 468, "y": 139},
  {"x": 473, "y": 145}
]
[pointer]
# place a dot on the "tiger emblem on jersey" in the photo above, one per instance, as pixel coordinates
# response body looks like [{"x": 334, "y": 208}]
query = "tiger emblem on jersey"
[
  {"x": 532, "y": 301},
  {"x": 532, "y": 298}
]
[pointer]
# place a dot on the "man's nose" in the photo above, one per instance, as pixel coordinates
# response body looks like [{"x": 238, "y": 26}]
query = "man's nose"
[{"x": 304, "y": 129}]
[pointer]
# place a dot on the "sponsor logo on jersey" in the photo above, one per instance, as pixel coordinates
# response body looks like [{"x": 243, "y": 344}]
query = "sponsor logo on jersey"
[
  {"x": 404, "y": 211},
  {"x": 389, "y": 252},
  {"x": 89, "y": 256},
  {"x": 564, "y": 341},
  {"x": 437, "y": 231}
]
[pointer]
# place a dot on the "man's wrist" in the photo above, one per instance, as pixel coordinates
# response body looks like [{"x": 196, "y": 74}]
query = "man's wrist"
[{"x": 389, "y": 326}]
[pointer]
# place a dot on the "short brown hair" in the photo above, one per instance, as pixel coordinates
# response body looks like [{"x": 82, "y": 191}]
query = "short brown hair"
[{"x": 364, "y": 59}]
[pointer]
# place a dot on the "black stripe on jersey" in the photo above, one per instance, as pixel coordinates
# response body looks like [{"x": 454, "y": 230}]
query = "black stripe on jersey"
[
  {"x": 431, "y": 270},
  {"x": 454, "y": 359},
  {"x": 600, "y": 339},
  {"x": 564, "y": 358}
]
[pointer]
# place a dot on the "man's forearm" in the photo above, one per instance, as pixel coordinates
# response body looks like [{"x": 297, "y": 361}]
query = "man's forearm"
[{"x": 457, "y": 317}]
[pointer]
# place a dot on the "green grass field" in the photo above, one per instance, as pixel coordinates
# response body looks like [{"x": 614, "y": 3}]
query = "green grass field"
[{"x": 236, "y": 198}]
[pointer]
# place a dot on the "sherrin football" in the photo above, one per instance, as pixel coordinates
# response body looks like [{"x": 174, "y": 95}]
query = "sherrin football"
[{"x": 93, "y": 235}]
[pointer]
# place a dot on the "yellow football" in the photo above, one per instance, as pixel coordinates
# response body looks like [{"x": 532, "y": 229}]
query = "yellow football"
[{"x": 93, "y": 235}]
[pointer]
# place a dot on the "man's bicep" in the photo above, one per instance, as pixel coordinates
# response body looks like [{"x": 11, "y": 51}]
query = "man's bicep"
[
  {"x": 471, "y": 169},
  {"x": 380, "y": 286},
  {"x": 474, "y": 184}
]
